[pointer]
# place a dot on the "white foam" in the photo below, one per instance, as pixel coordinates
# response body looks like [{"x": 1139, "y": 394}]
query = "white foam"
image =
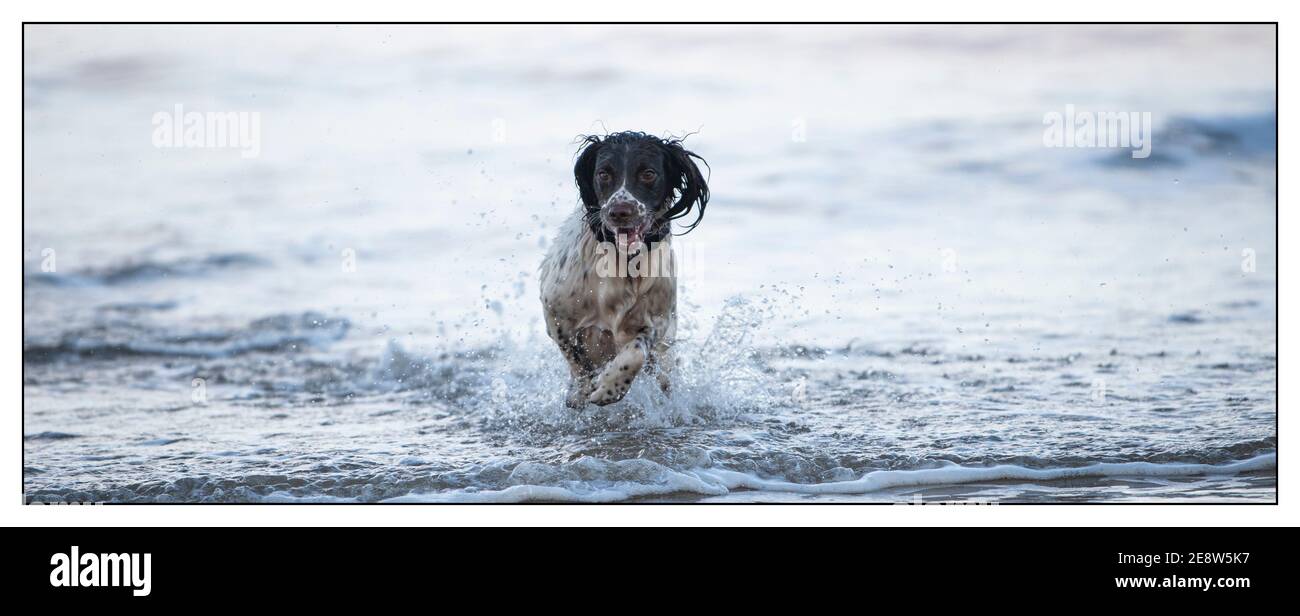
[
  {"x": 574, "y": 493},
  {"x": 955, "y": 475},
  {"x": 285, "y": 498},
  {"x": 717, "y": 482}
]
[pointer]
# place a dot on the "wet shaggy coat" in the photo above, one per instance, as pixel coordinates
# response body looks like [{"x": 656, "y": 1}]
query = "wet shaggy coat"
[{"x": 610, "y": 328}]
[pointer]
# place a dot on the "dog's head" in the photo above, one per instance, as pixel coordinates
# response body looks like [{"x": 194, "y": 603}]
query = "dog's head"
[{"x": 635, "y": 185}]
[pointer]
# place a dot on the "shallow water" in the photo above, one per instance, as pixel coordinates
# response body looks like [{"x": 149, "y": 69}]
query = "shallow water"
[{"x": 897, "y": 294}]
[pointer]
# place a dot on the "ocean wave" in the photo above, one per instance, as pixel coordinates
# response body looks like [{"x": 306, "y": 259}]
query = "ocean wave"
[
  {"x": 49, "y": 435},
  {"x": 612, "y": 483},
  {"x": 134, "y": 271},
  {"x": 125, "y": 339},
  {"x": 1186, "y": 140},
  {"x": 598, "y": 480}
]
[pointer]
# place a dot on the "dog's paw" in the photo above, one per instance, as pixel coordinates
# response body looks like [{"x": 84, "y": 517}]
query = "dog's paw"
[
  {"x": 612, "y": 389},
  {"x": 665, "y": 383},
  {"x": 579, "y": 389},
  {"x": 576, "y": 400},
  {"x": 603, "y": 396}
]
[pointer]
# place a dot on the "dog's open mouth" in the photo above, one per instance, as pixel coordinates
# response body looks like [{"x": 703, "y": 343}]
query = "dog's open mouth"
[{"x": 629, "y": 235}]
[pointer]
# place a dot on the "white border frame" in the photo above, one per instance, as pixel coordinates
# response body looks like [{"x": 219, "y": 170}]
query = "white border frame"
[{"x": 13, "y": 512}]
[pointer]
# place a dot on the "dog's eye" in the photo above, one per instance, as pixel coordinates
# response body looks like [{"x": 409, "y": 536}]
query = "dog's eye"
[
  {"x": 648, "y": 176},
  {"x": 603, "y": 175}
]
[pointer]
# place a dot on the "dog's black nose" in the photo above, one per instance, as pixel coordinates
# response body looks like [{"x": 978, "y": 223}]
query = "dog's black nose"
[{"x": 623, "y": 213}]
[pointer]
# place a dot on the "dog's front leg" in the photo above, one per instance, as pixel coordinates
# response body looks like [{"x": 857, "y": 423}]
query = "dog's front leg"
[
  {"x": 581, "y": 371},
  {"x": 663, "y": 362},
  {"x": 614, "y": 381},
  {"x": 572, "y": 343}
]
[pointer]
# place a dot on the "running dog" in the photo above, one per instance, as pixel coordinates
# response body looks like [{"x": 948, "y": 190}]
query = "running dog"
[{"x": 608, "y": 282}]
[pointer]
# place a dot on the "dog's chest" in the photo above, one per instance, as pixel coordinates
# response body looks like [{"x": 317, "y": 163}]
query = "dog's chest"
[
  {"x": 614, "y": 298},
  {"x": 603, "y": 302},
  {"x": 577, "y": 287}
]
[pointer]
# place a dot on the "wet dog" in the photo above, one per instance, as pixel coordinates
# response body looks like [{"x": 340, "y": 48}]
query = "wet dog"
[{"x": 608, "y": 282}]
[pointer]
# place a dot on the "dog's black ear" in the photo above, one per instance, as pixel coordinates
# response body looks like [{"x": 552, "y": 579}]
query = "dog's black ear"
[
  {"x": 691, "y": 185},
  {"x": 585, "y": 169}
]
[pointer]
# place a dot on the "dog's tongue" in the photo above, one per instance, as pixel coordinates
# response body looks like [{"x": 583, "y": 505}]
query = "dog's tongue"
[{"x": 632, "y": 236}]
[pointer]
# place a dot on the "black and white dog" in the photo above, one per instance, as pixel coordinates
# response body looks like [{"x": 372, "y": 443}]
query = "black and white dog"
[{"x": 611, "y": 318}]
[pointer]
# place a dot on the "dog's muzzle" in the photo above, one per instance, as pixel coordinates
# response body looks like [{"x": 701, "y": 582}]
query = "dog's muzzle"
[{"x": 626, "y": 219}]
